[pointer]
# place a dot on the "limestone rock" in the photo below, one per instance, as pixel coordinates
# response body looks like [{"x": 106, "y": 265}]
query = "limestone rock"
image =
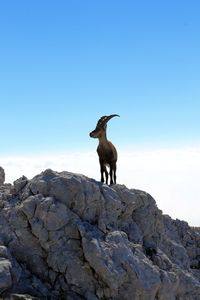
[
  {"x": 20, "y": 183},
  {"x": 2, "y": 176},
  {"x": 5, "y": 275},
  {"x": 65, "y": 236}
]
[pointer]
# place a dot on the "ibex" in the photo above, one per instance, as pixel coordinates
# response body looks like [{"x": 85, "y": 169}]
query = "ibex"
[{"x": 106, "y": 150}]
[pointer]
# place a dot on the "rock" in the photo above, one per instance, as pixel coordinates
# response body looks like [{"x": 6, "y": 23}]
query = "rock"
[
  {"x": 2, "y": 176},
  {"x": 65, "y": 236},
  {"x": 5, "y": 275},
  {"x": 19, "y": 184},
  {"x": 20, "y": 297}
]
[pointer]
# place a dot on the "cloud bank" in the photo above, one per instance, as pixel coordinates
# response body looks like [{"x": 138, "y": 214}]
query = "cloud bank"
[{"x": 171, "y": 176}]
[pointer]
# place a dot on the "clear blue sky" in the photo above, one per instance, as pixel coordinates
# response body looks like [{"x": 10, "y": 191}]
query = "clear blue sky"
[{"x": 63, "y": 64}]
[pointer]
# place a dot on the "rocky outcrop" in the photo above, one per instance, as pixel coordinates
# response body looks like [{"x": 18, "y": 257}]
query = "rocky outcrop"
[
  {"x": 65, "y": 236},
  {"x": 2, "y": 176}
]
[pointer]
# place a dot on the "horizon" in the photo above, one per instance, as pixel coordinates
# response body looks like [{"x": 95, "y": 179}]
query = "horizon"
[
  {"x": 170, "y": 176},
  {"x": 66, "y": 64}
]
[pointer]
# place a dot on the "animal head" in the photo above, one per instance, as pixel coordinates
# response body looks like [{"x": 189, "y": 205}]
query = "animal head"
[{"x": 101, "y": 126}]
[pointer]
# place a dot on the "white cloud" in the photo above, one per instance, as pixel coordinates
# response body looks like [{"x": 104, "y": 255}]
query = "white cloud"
[{"x": 171, "y": 176}]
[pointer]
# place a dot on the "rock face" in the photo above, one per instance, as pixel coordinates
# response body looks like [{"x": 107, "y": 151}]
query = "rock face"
[
  {"x": 2, "y": 176},
  {"x": 65, "y": 236}
]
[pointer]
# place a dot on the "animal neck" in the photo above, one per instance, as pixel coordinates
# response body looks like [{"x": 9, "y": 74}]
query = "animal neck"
[{"x": 103, "y": 139}]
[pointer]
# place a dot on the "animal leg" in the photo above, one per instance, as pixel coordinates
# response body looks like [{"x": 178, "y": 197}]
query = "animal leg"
[
  {"x": 113, "y": 176},
  {"x": 106, "y": 173},
  {"x": 104, "y": 170}
]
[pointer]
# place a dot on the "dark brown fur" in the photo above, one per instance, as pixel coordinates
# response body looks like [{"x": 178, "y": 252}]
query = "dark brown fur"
[{"x": 106, "y": 150}]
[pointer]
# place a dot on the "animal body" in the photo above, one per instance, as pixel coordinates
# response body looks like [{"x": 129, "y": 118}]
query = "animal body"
[{"x": 106, "y": 150}]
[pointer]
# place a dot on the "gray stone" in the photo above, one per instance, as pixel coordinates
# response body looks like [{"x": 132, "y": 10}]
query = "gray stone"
[
  {"x": 20, "y": 297},
  {"x": 19, "y": 184},
  {"x": 5, "y": 275},
  {"x": 2, "y": 176},
  {"x": 65, "y": 236}
]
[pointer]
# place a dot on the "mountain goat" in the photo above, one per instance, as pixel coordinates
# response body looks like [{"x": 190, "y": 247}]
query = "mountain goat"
[{"x": 106, "y": 150}]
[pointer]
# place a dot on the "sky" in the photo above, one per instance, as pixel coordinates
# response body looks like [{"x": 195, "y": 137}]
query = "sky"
[{"x": 64, "y": 64}]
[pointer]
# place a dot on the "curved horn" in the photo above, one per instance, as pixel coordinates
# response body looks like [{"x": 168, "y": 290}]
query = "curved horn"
[
  {"x": 110, "y": 117},
  {"x": 103, "y": 120}
]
